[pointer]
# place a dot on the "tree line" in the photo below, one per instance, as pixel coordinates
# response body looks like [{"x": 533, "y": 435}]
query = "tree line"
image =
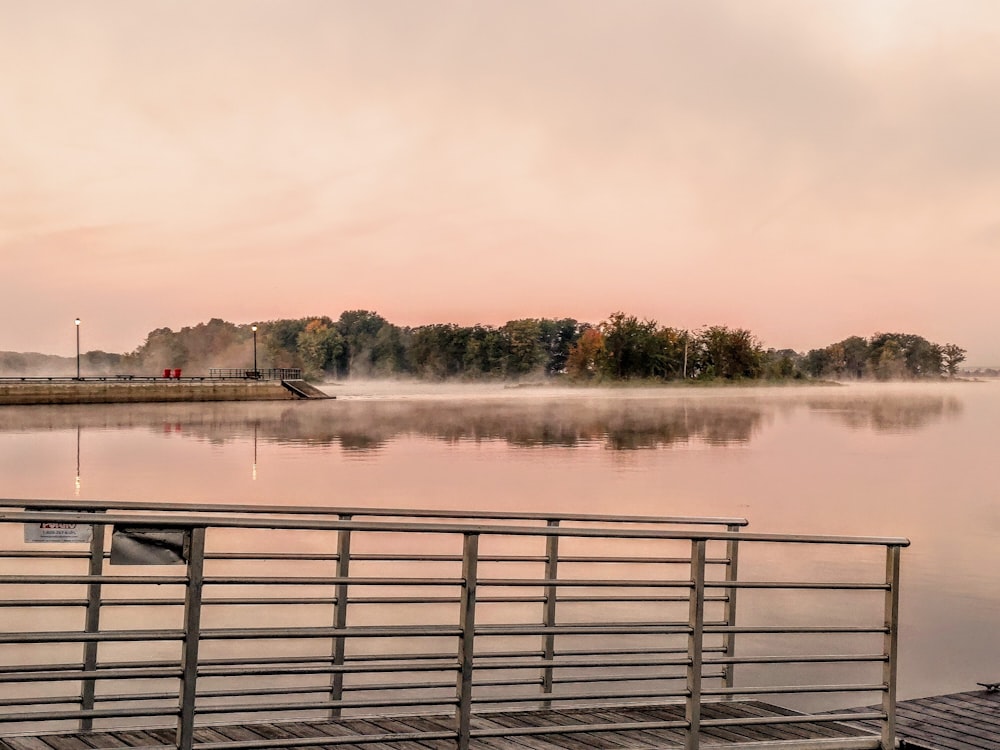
[{"x": 363, "y": 344}]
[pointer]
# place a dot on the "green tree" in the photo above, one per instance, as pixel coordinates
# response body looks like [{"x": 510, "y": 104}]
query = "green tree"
[
  {"x": 557, "y": 337},
  {"x": 524, "y": 347},
  {"x": 319, "y": 345},
  {"x": 953, "y": 355},
  {"x": 360, "y": 330},
  {"x": 729, "y": 353}
]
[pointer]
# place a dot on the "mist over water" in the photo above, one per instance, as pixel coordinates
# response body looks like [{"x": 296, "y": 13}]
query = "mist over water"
[{"x": 911, "y": 460}]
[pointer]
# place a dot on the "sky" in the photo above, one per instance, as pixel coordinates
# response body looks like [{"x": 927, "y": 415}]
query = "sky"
[{"x": 807, "y": 170}]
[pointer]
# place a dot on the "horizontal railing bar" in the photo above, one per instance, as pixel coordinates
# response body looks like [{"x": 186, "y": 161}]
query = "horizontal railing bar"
[
  {"x": 94, "y": 713},
  {"x": 66, "y": 580},
  {"x": 103, "y": 505},
  {"x": 48, "y": 700},
  {"x": 584, "y": 582},
  {"x": 350, "y": 739},
  {"x": 609, "y": 629},
  {"x": 81, "y": 674},
  {"x": 282, "y": 556},
  {"x": 83, "y": 637},
  {"x": 781, "y": 630},
  {"x": 440, "y": 528},
  {"x": 366, "y": 631},
  {"x": 44, "y": 555},
  {"x": 630, "y": 726},
  {"x": 342, "y": 668},
  {"x": 627, "y": 651},
  {"x": 310, "y": 600},
  {"x": 782, "y": 689},
  {"x": 449, "y": 700},
  {"x": 794, "y": 719},
  {"x": 578, "y": 696},
  {"x": 330, "y": 581},
  {"x": 847, "y": 586},
  {"x": 805, "y": 659},
  {"x": 680, "y": 661},
  {"x": 630, "y": 678},
  {"x": 264, "y": 660},
  {"x": 632, "y": 598},
  {"x": 368, "y": 687}
]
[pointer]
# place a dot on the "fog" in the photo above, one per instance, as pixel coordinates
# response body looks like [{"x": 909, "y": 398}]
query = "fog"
[{"x": 367, "y": 416}]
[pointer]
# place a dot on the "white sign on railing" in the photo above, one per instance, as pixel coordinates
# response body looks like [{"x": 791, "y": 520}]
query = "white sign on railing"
[{"x": 49, "y": 531}]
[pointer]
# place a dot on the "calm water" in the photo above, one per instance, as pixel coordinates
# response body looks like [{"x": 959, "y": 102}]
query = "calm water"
[{"x": 915, "y": 461}]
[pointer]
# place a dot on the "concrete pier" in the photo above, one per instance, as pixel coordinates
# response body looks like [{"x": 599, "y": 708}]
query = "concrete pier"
[{"x": 118, "y": 391}]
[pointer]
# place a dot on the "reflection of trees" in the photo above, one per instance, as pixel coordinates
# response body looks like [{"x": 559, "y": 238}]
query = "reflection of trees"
[
  {"x": 889, "y": 412},
  {"x": 617, "y": 422}
]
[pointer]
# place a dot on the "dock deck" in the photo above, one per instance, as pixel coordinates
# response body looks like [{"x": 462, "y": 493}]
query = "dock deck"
[
  {"x": 958, "y": 721},
  {"x": 492, "y": 731}
]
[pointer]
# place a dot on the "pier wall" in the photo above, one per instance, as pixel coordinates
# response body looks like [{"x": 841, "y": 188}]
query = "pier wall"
[{"x": 119, "y": 392}]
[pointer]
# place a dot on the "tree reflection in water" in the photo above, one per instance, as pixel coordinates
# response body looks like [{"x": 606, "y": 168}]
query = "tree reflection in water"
[{"x": 620, "y": 423}]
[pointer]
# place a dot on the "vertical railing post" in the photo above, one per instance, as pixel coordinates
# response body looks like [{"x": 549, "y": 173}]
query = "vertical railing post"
[
  {"x": 192, "y": 636},
  {"x": 340, "y": 615},
  {"x": 549, "y": 615},
  {"x": 890, "y": 646},
  {"x": 729, "y": 614},
  {"x": 466, "y": 641},
  {"x": 92, "y": 624},
  {"x": 696, "y": 625}
]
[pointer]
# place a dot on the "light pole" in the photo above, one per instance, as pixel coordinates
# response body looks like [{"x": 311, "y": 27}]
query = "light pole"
[
  {"x": 254, "y": 329},
  {"x": 77, "y": 348}
]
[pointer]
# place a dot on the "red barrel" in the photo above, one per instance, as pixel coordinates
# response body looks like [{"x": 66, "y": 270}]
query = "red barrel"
[
  {"x": 166, "y": 372},
  {"x": 177, "y": 373}
]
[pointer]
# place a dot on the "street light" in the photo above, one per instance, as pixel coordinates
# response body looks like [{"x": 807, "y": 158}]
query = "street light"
[
  {"x": 77, "y": 348},
  {"x": 254, "y": 329}
]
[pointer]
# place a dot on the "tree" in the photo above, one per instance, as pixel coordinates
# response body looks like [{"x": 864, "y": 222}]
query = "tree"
[
  {"x": 360, "y": 330},
  {"x": 730, "y": 353},
  {"x": 586, "y": 356},
  {"x": 629, "y": 346},
  {"x": 953, "y": 355},
  {"x": 524, "y": 347},
  {"x": 319, "y": 345},
  {"x": 557, "y": 337}
]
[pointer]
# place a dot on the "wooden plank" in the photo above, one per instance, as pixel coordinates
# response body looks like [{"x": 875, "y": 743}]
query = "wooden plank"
[{"x": 25, "y": 743}]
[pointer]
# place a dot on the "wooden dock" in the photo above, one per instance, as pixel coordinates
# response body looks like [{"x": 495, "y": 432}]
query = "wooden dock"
[
  {"x": 958, "y": 721},
  {"x": 496, "y": 731}
]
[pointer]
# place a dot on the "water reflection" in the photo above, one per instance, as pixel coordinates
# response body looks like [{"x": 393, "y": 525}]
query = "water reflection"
[
  {"x": 886, "y": 413},
  {"x": 615, "y": 423}
]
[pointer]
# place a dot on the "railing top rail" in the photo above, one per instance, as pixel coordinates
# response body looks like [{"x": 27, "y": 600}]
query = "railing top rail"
[
  {"x": 244, "y": 522},
  {"x": 298, "y": 510}
]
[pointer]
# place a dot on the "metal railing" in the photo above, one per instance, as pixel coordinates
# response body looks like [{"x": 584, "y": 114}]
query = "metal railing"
[
  {"x": 274, "y": 373},
  {"x": 411, "y": 612}
]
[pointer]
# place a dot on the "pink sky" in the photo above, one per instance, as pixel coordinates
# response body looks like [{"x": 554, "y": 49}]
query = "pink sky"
[{"x": 807, "y": 170}]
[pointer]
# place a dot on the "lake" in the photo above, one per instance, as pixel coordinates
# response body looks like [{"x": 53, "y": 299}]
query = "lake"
[{"x": 909, "y": 460}]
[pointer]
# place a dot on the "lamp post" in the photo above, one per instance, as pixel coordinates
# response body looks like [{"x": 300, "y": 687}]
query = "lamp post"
[
  {"x": 254, "y": 329},
  {"x": 77, "y": 348}
]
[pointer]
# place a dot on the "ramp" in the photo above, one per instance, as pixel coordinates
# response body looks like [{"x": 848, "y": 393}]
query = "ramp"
[{"x": 302, "y": 389}]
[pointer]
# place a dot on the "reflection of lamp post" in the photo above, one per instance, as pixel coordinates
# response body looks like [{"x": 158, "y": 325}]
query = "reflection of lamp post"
[
  {"x": 254, "y": 329},
  {"x": 77, "y": 490},
  {"x": 77, "y": 348}
]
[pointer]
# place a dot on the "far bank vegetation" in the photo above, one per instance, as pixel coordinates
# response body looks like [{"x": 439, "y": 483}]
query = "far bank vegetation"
[{"x": 622, "y": 348}]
